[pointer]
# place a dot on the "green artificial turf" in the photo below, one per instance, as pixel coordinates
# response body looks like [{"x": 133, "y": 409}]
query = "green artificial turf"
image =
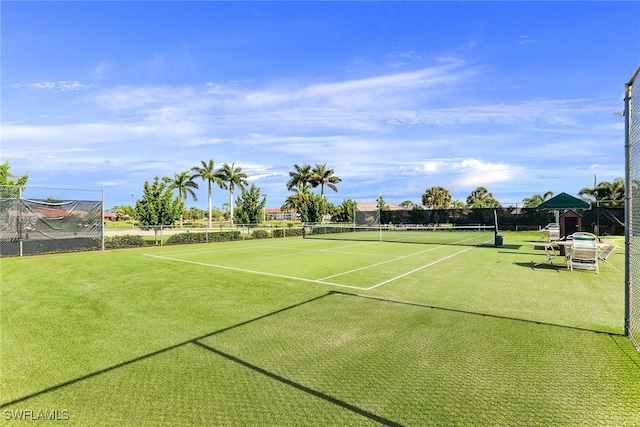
[{"x": 297, "y": 332}]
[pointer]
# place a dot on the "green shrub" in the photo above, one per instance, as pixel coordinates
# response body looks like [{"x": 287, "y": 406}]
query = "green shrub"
[
  {"x": 126, "y": 241},
  {"x": 218, "y": 236},
  {"x": 182, "y": 238},
  {"x": 287, "y": 232},
  {"x": 260, "y": 234}
]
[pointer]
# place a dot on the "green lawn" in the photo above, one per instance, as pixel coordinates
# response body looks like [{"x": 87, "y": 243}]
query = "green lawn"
[{"x": 311, "y": 332}]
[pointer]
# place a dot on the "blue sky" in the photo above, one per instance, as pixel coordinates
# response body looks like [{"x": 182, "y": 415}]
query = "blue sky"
[{"x": 396, "y": 97}]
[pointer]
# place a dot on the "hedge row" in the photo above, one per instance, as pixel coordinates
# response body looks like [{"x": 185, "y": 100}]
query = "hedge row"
[
  {"x": 126, "y": 241},
  {"x": 132, "y": 241},
  {"x": 221, "y": 236},
  {"x": 289, "y": 232},
  {"x": 260, "y": 234}
]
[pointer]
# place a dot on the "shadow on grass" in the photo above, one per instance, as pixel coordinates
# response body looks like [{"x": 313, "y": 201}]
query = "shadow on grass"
[
  {"x": 544, "y": 266},
  {"x": 474, "y": 313},
  {"x": 196, "y": 341},
  {"x": 152, "y": 354},
  {"x": 299, "y": 386}
]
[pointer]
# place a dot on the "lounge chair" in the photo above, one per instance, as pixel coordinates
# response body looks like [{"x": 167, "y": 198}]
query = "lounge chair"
[
  {"x": 584, "y": 252},
  {"x": 604, "y": 254}
]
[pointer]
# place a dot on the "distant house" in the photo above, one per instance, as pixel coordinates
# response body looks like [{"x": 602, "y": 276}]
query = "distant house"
[
  {"x": 110, "y": 217},
  {"x": 50, "y": 213},
  {"x": 278, "y": 214}
]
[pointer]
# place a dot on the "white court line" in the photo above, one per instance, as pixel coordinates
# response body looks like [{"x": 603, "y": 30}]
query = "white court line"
[
  {"x": 281, "y": 276},
  {"x": 380, "y": 263},
  {"x": 262, "y": 243},
  {"x": 322, "y": 280},
  {"x": 423, "y": 267}
]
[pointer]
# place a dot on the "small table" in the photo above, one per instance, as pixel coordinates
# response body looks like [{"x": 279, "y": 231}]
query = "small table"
[{"x": 549, "y": 250}]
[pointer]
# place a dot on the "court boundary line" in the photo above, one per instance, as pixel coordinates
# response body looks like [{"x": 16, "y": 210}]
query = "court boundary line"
[
  {"x": 382, "y": 262},
  {"x": 323, "y": 279},
  {"x": 263, "y": 273},
  {"x": 400, "y": 276}
]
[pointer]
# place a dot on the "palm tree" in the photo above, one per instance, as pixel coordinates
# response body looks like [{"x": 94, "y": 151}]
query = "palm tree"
[
  {"x": 207, "y": 172},
  {"x": 407, "y": 204},
  {"x": 615, "y": 190},
  {"x": 232, "y": 176},
  {"x": 536, "y": 199},
  {"x": 183, "y": 182},
  {"x": 437, "y": 198},
  {"x": 299, "y": 178},
  {"x": 481, "y": 198},
  {"x": 322, "y": 176},
  {"x": 605, "y": 191}
]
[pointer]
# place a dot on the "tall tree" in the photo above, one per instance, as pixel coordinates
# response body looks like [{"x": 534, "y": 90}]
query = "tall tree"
[
  {"x": 10, "y": 185},
  {"x": 437, "y": 198},
  {"x": 232, "y": 176},
  {"x": 299, "y": 178},
  {"x": 183, "y": 182},
  {"x": 407, "y": 204},
  {"x": 346, "y": 211},
  {"x": 158, "y": 206},
  {"x": 321, "y": 175},
  {"x": 250, "y": 208},
  {"x": 457, "y": 204},
  {"x": 481, "y": 198},
  {"x": 535, "y": 200},
  {"x": 208, "y": 173},
  {"x": 382, "y": 204},
  {"x": 310, "y": 207},
  {"x": 605, "y": 191}
]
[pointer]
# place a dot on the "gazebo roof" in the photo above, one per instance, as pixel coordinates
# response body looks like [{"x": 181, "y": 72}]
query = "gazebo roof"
[{"x": 564, "y": 201}]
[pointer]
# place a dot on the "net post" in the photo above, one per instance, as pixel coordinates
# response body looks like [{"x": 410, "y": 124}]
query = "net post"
[{"x": 102, "y": 220}]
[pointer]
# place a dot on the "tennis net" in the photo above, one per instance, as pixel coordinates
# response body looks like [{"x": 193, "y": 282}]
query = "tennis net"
[{"x": 476, "y": 235}]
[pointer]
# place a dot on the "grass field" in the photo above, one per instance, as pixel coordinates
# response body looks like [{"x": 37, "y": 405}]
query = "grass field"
[{"x": 300, "y": 332}]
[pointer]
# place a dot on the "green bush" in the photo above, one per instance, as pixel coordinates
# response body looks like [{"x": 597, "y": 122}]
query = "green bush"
[
  {"x": 260, "y": 234},
  {"x": 287, "y": 232},
  {"x": 218, "y": 236},
  {"x": 126, "y": 241},
  {"x": 182, "y": 238}
]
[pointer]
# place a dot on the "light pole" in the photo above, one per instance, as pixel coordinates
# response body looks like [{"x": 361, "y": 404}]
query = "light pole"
[{"x": 133, "y": 218}]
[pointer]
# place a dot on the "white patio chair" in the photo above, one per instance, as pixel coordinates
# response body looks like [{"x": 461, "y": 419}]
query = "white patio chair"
[
  {"x": 604, "y": 254},
  {"x": 554, "y": 231},
  {"x": 584, "y": 252}
]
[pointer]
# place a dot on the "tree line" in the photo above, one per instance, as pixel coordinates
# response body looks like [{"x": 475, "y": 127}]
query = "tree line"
[{"x": 160, "y": 206}]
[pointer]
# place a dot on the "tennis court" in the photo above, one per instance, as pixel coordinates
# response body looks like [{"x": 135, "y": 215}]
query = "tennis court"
[
  {"x": 355, "y": 264},
  {"x": 316, "y": 332}
]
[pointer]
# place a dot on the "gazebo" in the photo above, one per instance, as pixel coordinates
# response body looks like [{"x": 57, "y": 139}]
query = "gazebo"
[{"x": 569, "y": 220}]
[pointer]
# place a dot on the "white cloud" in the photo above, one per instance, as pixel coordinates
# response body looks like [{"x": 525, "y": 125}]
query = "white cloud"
[
  {"x": 396, "y": 133},
  {"x": 478, "y": 173},
  {"x": 525, "y": 39},
  {"x": 60, "y": 85}
]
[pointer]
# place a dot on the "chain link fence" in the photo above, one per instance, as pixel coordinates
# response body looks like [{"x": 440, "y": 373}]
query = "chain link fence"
[{"x": 632, "y": 237}]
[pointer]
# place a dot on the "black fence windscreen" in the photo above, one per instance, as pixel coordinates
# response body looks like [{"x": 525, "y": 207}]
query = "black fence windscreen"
[
  {"x": 30, "y": 227},
  {"x": 601, "y": 221}
]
